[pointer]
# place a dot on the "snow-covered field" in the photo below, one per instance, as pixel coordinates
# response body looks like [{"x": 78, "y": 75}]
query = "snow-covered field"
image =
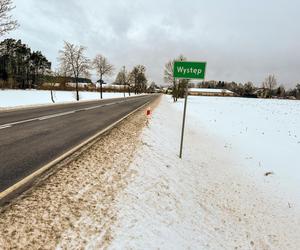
[
  {"x": 217, "y": 196},
  {"x": 262, "y": 135},
  {"x": 16, "y": 98}
]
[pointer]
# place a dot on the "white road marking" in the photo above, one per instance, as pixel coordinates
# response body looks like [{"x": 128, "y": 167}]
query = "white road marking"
[
  {"x": 90, "y": 108},
  {"x": 55, "y": 115},
  {"x": 3, "y": 127},
  {"x": 9, "y": 125},
  {"x": 19, "y": 122}
]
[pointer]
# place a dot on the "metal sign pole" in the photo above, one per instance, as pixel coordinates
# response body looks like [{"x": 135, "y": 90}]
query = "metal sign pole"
[
  {"x": 183, "y": 121},
  {"x": 187, "y": 70}
]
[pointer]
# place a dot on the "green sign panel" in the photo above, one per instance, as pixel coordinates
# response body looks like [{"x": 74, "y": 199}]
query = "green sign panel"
[{"x": 189, "y": 70}]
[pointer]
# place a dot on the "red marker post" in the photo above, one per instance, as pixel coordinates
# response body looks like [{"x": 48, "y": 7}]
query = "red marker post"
[{"x": 148, "y": 112}]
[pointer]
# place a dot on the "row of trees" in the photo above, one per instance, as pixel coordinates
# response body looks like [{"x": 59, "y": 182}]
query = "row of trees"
[
  {"x": 135, "y": 79},
  {"x": 73, "y": 62},
  {"x": 20, "y": 67},
  {"x": 268, "y": 89}
]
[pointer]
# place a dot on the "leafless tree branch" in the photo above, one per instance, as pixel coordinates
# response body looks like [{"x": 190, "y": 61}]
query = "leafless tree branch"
[
  {"x": 6, "y": 22},
  {"x": 102, "y": 66}
]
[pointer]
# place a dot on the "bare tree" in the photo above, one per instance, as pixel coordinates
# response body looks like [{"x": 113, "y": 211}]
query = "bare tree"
[
  {"x": 270, "y": 82},
  {"x": 169, "y": 77},
  {"x": 6, "y": 22},
  {"x": 73, "y": 61},
  {"x": 53, "y": 80},
  {"x": 64, "y": 72},
  {"x": 124, "y": 78},
  {"x": 103, "y": 68},
  {"x": 268, "y": 85}
]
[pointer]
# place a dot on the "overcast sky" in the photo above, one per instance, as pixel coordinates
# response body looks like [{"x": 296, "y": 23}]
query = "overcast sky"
[{"x": 240, "y": 40}]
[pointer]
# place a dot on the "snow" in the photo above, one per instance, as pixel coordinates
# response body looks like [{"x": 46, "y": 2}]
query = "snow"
[
  {"x": 210, "y": 90},
  {"x": 131, "y": 191},
  {"x": 15, "y": 98},
  {"x": 264, "y": 133},
  {"x": 217, "y": 196}
]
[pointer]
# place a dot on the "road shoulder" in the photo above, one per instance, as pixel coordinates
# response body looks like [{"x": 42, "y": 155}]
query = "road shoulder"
[{"x": 76, "y": 202}]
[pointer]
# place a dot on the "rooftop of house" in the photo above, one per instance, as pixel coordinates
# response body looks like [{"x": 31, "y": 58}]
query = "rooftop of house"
[{"x": 209, "y": 90}]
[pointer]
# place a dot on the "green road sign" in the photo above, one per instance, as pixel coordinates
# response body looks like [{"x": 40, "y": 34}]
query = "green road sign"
[{"x": 189, "y": 70}]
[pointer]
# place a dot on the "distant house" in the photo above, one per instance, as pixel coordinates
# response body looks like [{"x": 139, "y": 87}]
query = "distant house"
[
  {"x": 47, "y": 84},
  {"x": 167, "y": 90},
  {"x": 210, "y": 92},
  {"x": 80, "y": 84},
  {"x": 115, "y": 86}
]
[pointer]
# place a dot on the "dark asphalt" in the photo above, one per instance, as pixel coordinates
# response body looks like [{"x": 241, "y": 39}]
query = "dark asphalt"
[{"x": 26, "y": 145}]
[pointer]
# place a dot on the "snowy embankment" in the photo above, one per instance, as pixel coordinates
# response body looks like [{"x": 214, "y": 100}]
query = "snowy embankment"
[
  {"x": 218, "y": 196},
  {"x": 17, "y": 98}
]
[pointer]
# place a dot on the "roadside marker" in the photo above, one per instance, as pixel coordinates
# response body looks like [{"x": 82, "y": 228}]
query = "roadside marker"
[{"x": 148, "y": 112}]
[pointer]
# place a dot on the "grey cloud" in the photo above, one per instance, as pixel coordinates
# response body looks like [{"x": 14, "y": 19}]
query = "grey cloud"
[{"x": 240, "y": 40}]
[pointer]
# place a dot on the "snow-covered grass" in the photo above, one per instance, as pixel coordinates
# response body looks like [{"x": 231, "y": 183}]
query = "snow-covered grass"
[
  {"x": 217, "y": 196},
  {"x": 262, "y": 134},
  {"x": 16, "y": 98}
]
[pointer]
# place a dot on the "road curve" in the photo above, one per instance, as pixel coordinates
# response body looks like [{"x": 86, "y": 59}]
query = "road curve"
[{"x": 33, "y": 137}]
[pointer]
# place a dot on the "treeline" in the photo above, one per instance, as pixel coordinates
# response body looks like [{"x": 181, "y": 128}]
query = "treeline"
[
  {"x": 73, "y": 62},
  {"x": 268, "y": 89},
  {"x": 134, "y": 80},
  {"x": 20, "y": 67}
]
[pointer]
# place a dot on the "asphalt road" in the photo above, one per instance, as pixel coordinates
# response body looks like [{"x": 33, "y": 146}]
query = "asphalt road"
[{"x": 33, "y": 137}]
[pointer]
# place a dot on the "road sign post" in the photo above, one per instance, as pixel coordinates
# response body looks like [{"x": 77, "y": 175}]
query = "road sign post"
[
  {"x": 183, "y": 120},
  {"x": 187, "y": 70},
  {"x": 101, "y": 82}
]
